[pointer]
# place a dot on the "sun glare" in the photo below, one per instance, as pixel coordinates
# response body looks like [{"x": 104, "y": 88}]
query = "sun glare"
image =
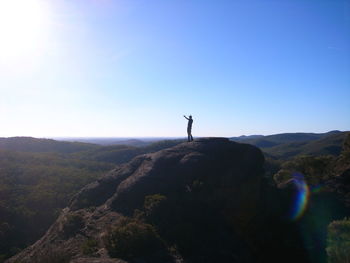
[{"x": 22, "y": 25}]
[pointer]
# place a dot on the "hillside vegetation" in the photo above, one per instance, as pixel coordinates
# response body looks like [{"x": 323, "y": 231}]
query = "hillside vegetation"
[
  {"x": 289, "y": 145},
  {"x": 39, "y": 176},
  {"x": 29, "y": 144}
]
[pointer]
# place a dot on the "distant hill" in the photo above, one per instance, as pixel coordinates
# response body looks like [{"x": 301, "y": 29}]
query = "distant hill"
[
  {"x": 282, "y": 137},
  {"x": 108, "y": 141},
  {"x": 329, "y": 145},
  {"x": 122, "y": 151},
  {"x": 288, "y": 145},
  {"x": 105, "y": 141},
  {"x": 35, "y": 145},
  {"x": 246, "y": 137},
  {"x": 118, "y": 154}
]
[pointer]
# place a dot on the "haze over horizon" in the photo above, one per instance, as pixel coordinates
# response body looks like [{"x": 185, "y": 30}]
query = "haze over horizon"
[{"x": 117, "y": 68}]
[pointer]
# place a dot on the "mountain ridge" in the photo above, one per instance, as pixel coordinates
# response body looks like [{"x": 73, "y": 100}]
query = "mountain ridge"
[{"x": 289, "y": 145}]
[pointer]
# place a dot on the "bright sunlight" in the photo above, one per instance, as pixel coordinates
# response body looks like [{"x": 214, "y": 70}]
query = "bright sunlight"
[{"x": 22, "y": 25}]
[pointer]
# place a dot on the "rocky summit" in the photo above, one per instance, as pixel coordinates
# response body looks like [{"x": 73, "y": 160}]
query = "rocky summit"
[{"x": 195, "y": 202}]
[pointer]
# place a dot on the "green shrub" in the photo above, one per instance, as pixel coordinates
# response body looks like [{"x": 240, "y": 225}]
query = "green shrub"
[
  {"x": 132, "y": 239},
  {"x": 89, "y": 247},
  {"x": 338, "y": 247},
  {"x": 153, "y": 203},
  {"x": 73, "y": 223},
  {"x": 315, "y": 169},
  {"x": 282, "y": 176},
  {"x": 153, "y": 210}
]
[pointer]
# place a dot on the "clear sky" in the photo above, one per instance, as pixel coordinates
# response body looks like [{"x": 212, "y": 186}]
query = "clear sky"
[{"x": 135, "y": 67}]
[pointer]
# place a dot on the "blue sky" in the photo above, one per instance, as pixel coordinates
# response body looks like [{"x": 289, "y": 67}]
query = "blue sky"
[{"x": 134, "y": 68}]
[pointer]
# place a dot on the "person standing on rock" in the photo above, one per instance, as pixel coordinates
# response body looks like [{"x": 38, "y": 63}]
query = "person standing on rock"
[{"x": 189, "y": 128}]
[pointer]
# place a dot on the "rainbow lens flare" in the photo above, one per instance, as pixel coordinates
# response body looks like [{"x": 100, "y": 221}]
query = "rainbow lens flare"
[{"x": 301, "y": 197}]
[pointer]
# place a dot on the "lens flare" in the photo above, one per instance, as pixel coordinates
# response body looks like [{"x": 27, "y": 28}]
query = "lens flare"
[{"x": 301, "y": 197}]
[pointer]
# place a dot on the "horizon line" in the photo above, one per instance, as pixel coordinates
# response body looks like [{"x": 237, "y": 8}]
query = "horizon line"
[{"x": 158, "y": 137}]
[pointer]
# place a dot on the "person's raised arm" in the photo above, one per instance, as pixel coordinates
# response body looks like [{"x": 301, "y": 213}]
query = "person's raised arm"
[{"x": 186, "y": 117}]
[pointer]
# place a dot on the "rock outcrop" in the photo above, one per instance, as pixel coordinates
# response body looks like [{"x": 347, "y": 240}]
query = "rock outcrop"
[{"x": 204, "y": 201}]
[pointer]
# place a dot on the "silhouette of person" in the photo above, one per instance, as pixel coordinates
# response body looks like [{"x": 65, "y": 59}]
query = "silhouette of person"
[{"x": 189, "y": 128}]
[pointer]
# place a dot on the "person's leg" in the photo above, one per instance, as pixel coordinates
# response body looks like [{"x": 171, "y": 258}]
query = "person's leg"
[{"x": 190, "y": 138}]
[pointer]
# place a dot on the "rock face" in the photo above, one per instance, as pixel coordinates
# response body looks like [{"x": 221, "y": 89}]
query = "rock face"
[{"x": 201, "y": 197}]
